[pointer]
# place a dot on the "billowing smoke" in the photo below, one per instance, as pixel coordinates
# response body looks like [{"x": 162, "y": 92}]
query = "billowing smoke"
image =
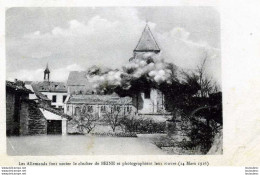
[
  {"x": 152, "y": 66},
  {"x": 148, "y": 67}
]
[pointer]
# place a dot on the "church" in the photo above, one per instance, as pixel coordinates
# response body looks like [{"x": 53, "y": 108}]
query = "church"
[{"x": 149, "y": 103}]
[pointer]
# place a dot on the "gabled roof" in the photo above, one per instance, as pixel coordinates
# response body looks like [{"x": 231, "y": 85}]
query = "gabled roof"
[
  {"x": 49, "y": 115},
  {"x": 18, "y": 86},
  {"x": 50, "y": 86},
  {"x": 100, "y": 99},
  {"x": 77, "y": 78},
  {"x": 39, "y": 94},
  {"x": 147, "y": 42},
  {"x": 53, "y": 110}
]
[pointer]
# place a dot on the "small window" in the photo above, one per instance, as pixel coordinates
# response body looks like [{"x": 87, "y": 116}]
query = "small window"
[
  {"x": 129, "y": 109},
  {"x": 90, "y": 109},
  {"x": 147, "y": 94},
  {"x": 77, "y": 111},
  {"x": 68, "y": 108},
  {"x": 64, "y": 98},
  {"x": 103, "y": 108},
  {"x": 54, "y": 98},
  {"x": 84, "y": 109},
  {"x": 60, "y": 107}
]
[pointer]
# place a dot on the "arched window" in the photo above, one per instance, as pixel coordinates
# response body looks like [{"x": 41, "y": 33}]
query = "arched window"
[
  {"x": 77, "y": 111},
  {"x": 90, "y": 109},
  {"x": 147, "y": 94},
  {"x": 83, "y": 110},
  {"x": 103, "y": 108}
]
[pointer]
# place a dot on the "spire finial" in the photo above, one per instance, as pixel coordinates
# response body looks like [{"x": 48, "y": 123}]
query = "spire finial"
[{"x": 146, "y": 21}]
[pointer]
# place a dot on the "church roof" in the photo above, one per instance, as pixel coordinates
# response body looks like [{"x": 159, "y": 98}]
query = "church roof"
[
  {"x": 77, "y": 78},
  {"x": 147, "y": 42}
]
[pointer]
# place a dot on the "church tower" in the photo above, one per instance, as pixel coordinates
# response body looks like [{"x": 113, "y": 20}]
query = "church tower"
[
  {"x": 146, "y": 44},
  {"x": 47, "y": 74},
  {"x": 150, "y": 101}
]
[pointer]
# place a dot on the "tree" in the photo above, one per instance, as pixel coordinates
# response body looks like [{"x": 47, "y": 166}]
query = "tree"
[
  {"x": 85, "y": 121},
  {"x": 207, "y": 85},
  {"x": 114, "y": 117}
]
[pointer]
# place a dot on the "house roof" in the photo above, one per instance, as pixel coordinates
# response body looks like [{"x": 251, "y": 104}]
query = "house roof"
[
  {"x": 99, "y": 99},
  {"x": 38, "y": 93},
  {"x": 50, "y": 115},
  {"x": 147, "y": 42},
  {"x": 77, "y": 78},
  {"x": 50, "y": 86},
  {"x": 18, "y": 86},
  {"x": 53, "y": 110}
]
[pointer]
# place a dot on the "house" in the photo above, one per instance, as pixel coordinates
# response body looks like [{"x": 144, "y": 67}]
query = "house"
[
  {"x": 16, "y": 107},
  {"x": 26, "y": 116},
  {"x": 54, "y": 91},
  {"x": 98, "y": 105}
]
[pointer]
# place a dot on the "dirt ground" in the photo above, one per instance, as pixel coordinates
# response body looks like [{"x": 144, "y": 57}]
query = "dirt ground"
[{"x": 82, "y": 145}]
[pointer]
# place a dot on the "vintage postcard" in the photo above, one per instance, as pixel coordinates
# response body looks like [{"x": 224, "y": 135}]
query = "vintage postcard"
[{"x": 117, "y": 84}]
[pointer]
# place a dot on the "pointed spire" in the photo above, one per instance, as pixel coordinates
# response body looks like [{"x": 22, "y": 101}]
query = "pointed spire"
[
  {"x": 47, "y": 69},
  {"x": 147, "y": 42}
]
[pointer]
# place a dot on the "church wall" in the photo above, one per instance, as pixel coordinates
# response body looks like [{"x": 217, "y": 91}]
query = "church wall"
[
  {"x": 152, "y": 105},
  {"x": 143, "y": 55}
]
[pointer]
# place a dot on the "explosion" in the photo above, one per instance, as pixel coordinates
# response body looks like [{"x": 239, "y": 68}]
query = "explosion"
[{"x": 150, "y": 67}]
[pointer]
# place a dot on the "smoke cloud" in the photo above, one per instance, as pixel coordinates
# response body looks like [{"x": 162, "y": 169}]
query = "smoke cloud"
[{"x": 149, "y": 66}]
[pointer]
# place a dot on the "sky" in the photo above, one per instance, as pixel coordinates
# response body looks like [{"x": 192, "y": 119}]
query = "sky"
[{"x": 70, "y": 39}]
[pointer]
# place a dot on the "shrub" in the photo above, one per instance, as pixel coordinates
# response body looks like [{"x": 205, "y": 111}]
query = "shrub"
[{"x": 140, "y": 125}]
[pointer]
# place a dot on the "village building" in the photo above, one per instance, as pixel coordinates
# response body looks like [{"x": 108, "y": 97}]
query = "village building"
[
  {"x": 55, "y": 91},
  {"x": 99, "y": 105},
  {"x": 16, "y": 107},
  {"x": 25, "y": 116},
  {"x": 82, "y": 95},
  {"x": 78, "y": 83}
]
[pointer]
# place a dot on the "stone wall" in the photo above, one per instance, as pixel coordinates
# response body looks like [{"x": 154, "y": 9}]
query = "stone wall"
[
  {"x": 10, "y": 99},
  {"x": 32, "y": 121},
  {"x": 37, "y": 124},
  {"x": 24, "y": 118}
]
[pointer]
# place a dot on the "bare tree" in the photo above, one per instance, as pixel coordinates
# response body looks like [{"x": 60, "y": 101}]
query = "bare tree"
[
  {"x": 85, "y": 122},
  {"x": 207, "y": 85},
  {"x": 114, "y": 117}
]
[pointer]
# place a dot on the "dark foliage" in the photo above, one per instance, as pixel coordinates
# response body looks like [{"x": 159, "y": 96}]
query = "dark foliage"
[{"x": 143, "y": 125}]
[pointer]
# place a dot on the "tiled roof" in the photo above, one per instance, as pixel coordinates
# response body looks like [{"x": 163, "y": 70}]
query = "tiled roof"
[
  {"x": 77, "y": 78},
  {"x": 147, "y": 41},
  {"x": 18, "y": 87},
  {"x": 39, "y": 94},
  {"x": 50, "y": 86},
  {"x": 99, "y": 99}
]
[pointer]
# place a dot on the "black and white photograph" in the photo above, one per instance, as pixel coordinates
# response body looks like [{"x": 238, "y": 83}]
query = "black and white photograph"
[{"x": 113, "y": 81}]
